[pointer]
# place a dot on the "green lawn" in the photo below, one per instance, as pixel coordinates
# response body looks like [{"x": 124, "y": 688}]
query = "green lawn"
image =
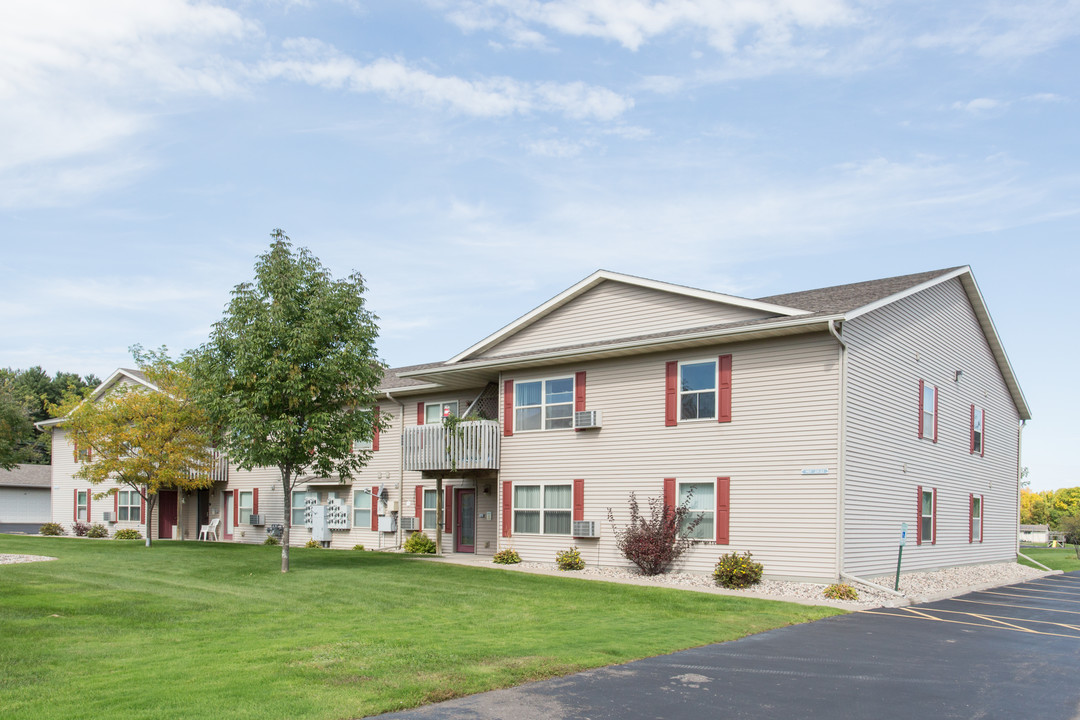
[
  {"x": 184, "y": 630},
  {"x": 1063, "y": 558}
]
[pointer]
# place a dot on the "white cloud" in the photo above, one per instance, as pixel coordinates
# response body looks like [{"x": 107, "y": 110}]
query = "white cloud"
[
  {"x": 1005, "y": 30},
  {"x": 978, "y": 105},
  {"x": 555, "y": 148}
]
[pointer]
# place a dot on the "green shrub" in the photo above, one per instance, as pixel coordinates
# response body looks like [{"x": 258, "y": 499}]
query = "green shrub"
[
  {"x": 737, "y": 571},
  {"x": 127, "y": 534},
  {"x": 97, "y": 530},
  {"x": 570, "y": 559},
  {"x": 840, "y": 591},
  {"x": 419, "y": 542},
  {"x": 271, "y": 540},
  {"x": 79, "y": 529},
  {"x": 312, "y": 544},
  {"x": 508, "y": 556},
  {"x": 51, "y": 528},
  {"x": 358, "y": 546}
]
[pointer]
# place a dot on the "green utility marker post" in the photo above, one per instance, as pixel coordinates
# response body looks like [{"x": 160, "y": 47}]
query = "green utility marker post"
[{"x": 900, "y": 554}]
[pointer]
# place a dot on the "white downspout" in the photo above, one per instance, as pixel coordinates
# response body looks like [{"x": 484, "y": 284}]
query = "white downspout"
[
  {"x": 1019, "y": 471},
  {"x": 401, "y": 467},
  {"x": 841, "y": 451}
]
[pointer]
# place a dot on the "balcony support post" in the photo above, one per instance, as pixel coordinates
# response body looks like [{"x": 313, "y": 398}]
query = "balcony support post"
[{"x": 438, "y": 515}]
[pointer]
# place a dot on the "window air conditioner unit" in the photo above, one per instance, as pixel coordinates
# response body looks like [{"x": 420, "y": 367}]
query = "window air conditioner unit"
[
  {"x": 388, "y": 524},
  {"x": 108, "y": 517},
  {"x": 256, "y": 520},
  {"x": 584, "y": 419},
  {"x": 410, "y": 523},
  {"x": 586, "y": 529}
]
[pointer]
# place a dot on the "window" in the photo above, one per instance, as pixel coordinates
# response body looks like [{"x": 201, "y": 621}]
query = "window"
[
  {"x": 81, "y": 500},
  {"x": 543, "y": 509},
  {"x": 926, "y": 517},
  {"x": 361, "y": 509},
  {"x": 430, "y": 508},
  {"x": 82, "y": 455},
  {"x": 978, "y": 417},
  {"x": 299, "y": 507},
  {"x": 434, "y": 413},
  {"x": 928, "y": 410},
  {"x": 246, "y": 505},
  {"x": 362, "y": 445},
  {"x": 697, "y": 390},
  {"x": 544, "y": 404},
  {"x": 128, "y": 506},
  {"x": 976, "y": 518},
  {"x": 702, "y": 504}
]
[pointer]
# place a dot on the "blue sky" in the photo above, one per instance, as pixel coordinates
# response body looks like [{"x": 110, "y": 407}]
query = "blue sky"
[{"x": 474, "y": 158}]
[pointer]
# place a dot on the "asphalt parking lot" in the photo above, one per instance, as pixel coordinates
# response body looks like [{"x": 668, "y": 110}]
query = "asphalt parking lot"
[{"x": 1008, "y": 652}]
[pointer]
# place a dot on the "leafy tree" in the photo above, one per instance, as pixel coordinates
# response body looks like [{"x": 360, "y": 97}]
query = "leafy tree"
[
  {"x": 16, "y": 430},
  {"x": 143, "y": 439},
  {"x": 290, "y": 372},
  {"x": 1071, "y": 527},
  {"x": 1065, "y": 503},
  {"x": 1033, "y": 508},
  {"x": 36, "y": 392}
]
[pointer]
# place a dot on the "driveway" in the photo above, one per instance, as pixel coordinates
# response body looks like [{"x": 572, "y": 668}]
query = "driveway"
[
  {"x": 1009, "y": 652},
  {"x": 20, "y": 528}
]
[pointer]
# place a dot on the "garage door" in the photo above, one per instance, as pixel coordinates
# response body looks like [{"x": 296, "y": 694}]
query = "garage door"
[{"x": 25, "y": 505}]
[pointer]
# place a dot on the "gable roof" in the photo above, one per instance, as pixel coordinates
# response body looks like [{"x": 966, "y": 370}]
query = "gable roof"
[
  {"x": 27, "y": 476},
  {"x": 118, "y": 375},
  {"x": 846, "y": 298}
]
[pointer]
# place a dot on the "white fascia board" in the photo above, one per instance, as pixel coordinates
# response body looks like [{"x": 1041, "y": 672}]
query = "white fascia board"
[
  {"x": 408, "y": 389},
  {"x": 601, "y": 275},
  {"x": 659, "y": 344},
  {"x": 852, "y": 314}
]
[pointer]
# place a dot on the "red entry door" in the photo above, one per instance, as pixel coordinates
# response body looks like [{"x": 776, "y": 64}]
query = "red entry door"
[
  {"x": 465, "y": 538},
  {"x": 166, "y": 514}
]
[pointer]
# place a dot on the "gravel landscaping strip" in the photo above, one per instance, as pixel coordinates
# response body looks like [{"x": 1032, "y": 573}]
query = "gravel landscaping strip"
[{"x": 13, "y": 559}]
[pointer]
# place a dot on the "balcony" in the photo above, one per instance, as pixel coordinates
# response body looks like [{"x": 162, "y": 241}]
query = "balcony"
[{"x": 436, "y": 450}]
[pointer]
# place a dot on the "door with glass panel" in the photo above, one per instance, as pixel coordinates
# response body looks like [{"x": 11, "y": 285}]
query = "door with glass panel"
[
  {"x": 465, "y": 504},
  {"x": 227, "y": 505}
]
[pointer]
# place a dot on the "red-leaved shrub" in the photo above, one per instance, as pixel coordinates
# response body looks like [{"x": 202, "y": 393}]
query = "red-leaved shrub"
[{"x": 655, "y": 542}]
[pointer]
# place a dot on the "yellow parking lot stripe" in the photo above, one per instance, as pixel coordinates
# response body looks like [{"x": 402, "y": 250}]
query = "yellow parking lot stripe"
[
  {"x": 1027, "y": 597},
  {"x": 1039, "y": 589},
  {"x": 1013, "y": 605},
  {"x": 914, "y": 614}
]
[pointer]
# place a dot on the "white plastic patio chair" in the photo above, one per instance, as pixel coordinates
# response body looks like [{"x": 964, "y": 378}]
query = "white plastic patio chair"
[{"x": 206, "y": 531}]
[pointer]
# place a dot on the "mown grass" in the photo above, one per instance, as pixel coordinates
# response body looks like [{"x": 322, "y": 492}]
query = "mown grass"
[
  {"x": 1063, "y": 558},
  {"x": 182, "y": 630}
]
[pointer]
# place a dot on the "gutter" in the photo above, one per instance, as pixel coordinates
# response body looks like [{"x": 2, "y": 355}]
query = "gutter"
[
  {"x": 841, "y": 450},
  {"x": 879, "y": 588},
  {"x": 401, "y": 466}
]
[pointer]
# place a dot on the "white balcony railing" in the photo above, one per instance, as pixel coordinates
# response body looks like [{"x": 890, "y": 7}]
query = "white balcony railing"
[{"x": 474, "y": 446}]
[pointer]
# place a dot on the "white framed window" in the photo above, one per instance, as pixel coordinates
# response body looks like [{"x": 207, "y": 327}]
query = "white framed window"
[
  {"x": 361, "y": 509},
  {"x": 697, "y": 390},
  {"x": 358, "y": 445},
  {"x": 430, "y": 508},
  {"x": 702, "y": 496},
  {"x": 247, "y": 505},
  {"x": 81, "y": 500},
  {"x": 299, "y": 506},
  {"x": 543, "y": 509},
  {"x": 926, "y": 516},
  {"x": 976, "y": 518},
  {"x": 128, "y": 506},
  {"x": 435, "y": 413},
  {"x": 977, "y": 418},
  {"x": 544, "y": 404},
  {"x": 928, "y": 424}
]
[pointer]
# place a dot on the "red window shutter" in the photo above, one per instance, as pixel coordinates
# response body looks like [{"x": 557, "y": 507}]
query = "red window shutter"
[
  {"x": 671, "y": 394},
  {"x": 116, "y": 505},
  {"x": 374, "y": 508},
  {"x": 669, "y": 495},
  {"x": 922, "y": 388},
  {"x": 375, "y": 434},
  {"x": 933, "y": 523},
  {"x": 971, "y": 443},
  {"x": 579, "y": 499},
  {"x": 75, "y": 507},
  {"x": 448, "y": 510},
  {"x": 936, "y": 393},
  {"x": 982, "y": 440},
  {"x": 89, "y": 457},
  {"x": 508, "y": 415},
  {"x": 982, "y": 516},
  {"x": 143, "y": 519},
  {"x": 236, "y": 508},
  {"x": 723, "y": 510},
  {"x": 419, "y": 413},
  {"x": 971, "y": 517},
  {"x": 918, "y": 495},
  {"x": 255, "y": 501},
  {"x": 579, "y": 393},
  {"x": 420, "y": 506},
  {"x": 506, "y": 507},
  {"x": 88, "y": 504},
  {"x": 724, "y": 410}
]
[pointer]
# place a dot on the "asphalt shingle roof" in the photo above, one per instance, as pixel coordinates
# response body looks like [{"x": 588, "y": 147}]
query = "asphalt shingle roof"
[{"x": 27, "y": 476}]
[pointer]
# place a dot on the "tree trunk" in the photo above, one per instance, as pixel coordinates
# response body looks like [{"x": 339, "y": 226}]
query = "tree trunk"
[
  {"x": 151, "y": 499},
  {"x": 286, "y": 487},
  {"x": 438, "y": 515}
]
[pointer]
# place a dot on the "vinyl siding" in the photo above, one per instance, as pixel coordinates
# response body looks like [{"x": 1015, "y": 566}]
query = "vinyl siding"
[
  {"x": 927, "y": 336},
  {"x": 613, "y": 310},
  {"x": 785, "y": 402}
]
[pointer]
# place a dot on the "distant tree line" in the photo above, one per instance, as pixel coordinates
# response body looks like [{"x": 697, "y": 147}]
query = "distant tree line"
[
  {"x": 25, "y": 396},
  {"x": 1049, "y": 507}
]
